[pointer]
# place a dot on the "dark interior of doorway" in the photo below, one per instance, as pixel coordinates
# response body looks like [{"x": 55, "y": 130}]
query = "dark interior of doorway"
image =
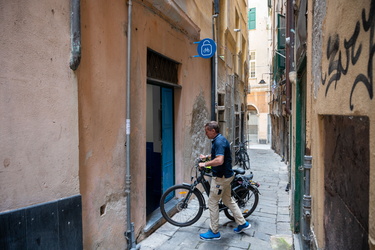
[
  {"x": 153, "y": 149},
  {"x": 346, "y": 178}
]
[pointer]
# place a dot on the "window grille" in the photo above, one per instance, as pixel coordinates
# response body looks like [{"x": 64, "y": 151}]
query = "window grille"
[{"x": 161, "y": 68}]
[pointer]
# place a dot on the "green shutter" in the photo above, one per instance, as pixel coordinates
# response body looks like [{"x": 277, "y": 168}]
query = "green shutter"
[{"x": 252, "y": 19}]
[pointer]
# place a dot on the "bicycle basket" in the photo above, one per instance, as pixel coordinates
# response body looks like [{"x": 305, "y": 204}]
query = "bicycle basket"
[
  {"x": 239, "y": 189},
  {"x": 242, "y": 182}
]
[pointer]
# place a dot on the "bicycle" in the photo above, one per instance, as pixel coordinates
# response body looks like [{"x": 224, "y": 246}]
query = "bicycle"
[
  {"x": 186, "y": 202},
  {"x": 241, "y": 156}
]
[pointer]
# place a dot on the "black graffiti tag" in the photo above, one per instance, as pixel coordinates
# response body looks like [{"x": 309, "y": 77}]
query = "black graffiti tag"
[{"x": 340, "y": 61}]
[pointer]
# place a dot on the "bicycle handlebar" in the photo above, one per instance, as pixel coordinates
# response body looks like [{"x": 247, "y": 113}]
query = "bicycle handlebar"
[
  {"x": 204, "y": 171},
  {"x": 241, "y": 143}
]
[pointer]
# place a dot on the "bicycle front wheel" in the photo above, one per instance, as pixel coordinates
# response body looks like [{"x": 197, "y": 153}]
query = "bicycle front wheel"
[
  {"x": 185, "y": 208},
  {"x": 247, "y": 200}
]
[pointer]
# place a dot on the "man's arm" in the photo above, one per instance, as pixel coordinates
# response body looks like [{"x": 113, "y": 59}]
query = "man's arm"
[{"x": 219, "y": 160}]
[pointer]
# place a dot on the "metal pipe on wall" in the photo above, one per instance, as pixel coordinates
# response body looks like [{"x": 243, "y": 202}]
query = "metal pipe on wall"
[
  {"x": 130, "y": 225},
  {"x": 306, "y": 233},
  {"x": 290, "y": 65},
  {"x": 214, "y": 63},
  {"x": 75, "y": 34},
  {"x": 213, "y": 72}
]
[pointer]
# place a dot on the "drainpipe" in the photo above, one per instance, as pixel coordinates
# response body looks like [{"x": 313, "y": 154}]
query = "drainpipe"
[
  {"x": 289, "y": 51},
  {"x": 130, "y": 225},
  {"x": 214, "y": 66},
  {"x": 75, "y": 34},
  {"x": 306, "y": 234}
]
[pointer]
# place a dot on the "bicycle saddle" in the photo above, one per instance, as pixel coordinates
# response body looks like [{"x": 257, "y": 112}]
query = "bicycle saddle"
[{"x": 238, "y": 171}]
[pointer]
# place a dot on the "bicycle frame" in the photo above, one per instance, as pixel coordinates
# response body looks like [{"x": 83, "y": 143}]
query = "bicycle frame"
[{"x": 199, "y": 180}]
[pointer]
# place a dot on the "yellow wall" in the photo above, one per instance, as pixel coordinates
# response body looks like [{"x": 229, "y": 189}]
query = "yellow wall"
[{"x": 342, "y": 97}]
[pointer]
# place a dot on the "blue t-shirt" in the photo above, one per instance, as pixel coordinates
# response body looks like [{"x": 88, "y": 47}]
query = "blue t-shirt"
[{"x": 220, "y": 146}]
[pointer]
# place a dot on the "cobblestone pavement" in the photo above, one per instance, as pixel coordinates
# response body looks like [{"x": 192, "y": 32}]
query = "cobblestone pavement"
[{"x": 270, "y": 222}]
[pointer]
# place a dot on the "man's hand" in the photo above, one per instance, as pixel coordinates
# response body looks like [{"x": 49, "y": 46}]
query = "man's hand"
[
  {"x": 203, "y": 157},
  {"x": 202, "y": 165}
]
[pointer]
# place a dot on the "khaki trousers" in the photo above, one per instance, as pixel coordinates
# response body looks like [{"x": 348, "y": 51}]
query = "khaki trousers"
[{"x": 221, "y": 189}]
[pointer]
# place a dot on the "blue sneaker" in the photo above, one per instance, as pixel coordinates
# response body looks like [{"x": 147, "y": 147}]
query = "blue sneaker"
[
  {"x": 210, "y": 235},
  {"x": 242, "y": 228}
]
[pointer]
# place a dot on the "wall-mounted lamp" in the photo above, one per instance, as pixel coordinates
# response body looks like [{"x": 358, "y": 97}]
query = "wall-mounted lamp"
[
  {"x": 262, "y": 81},
  {"x": 293, "y": 77},
  {"x": 237, "y": 30}
]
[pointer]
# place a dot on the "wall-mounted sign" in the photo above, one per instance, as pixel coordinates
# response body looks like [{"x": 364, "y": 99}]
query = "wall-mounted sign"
[{"x": 206, "y": 48}]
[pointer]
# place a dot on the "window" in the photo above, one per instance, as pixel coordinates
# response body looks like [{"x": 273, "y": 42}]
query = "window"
[
  {"x": 281, "y": 41},
  {"x": 252, "y": 64},
  {"x": 161, "y": 68},
  {"x": 221, "y": 100},
  {"x": 252, "y": 19},
  {"x": 280, "y": 32},
  {"x": 237, "y": 129}
]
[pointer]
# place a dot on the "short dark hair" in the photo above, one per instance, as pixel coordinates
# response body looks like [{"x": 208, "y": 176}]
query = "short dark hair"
[{"x": 213, "y": 125}]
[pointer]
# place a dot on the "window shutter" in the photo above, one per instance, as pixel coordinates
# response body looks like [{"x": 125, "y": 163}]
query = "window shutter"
[{"x": 252, "y": 19}]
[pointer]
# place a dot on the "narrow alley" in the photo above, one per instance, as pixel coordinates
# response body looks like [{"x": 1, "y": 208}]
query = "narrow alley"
[{"x": 270, "y": 222}]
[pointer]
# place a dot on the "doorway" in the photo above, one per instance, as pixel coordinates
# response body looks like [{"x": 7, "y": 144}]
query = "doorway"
[
  {"x": 159, "y": 144},
  {"x": 300, "y": 146},
  {"x": 346, "y": 181},
  {"x": 252, "y": 124}
]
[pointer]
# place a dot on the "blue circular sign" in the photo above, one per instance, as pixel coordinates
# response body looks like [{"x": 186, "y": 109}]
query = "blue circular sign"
[{"x": 206, "y": 48}]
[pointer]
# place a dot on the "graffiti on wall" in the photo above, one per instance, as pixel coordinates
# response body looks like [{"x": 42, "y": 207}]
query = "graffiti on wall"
[{"x": 342, "y": 56}]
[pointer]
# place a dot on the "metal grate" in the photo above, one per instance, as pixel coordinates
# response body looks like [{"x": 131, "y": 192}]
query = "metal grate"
[{"x": 161, "y": 68}]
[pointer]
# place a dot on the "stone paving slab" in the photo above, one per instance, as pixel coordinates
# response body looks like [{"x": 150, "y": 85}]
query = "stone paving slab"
[{"x": 270, "y": 221}]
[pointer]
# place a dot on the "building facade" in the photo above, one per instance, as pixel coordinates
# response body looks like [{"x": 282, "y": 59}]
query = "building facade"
[
  {"x": 260, "y": 71},
  {"x": 331, "y": 126},
  {"x": 232, "y": 65},
  {"x": 104, "y": 106}
]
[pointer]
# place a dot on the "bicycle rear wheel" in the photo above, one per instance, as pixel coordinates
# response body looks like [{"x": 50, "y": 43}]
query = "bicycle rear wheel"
[
  {"x": 247, "y": 200},
  {"x": 237, "y": 158},
  {"x": 186, "y": 207},
  {"x": 245, "y": 160}
]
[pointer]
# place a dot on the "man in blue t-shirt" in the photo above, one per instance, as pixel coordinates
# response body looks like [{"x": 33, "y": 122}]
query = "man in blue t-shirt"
[{"x": 222, "y": 176}]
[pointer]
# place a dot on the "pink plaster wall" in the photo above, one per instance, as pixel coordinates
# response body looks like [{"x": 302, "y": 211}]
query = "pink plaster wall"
[
  {"x": 101, "y": 89},
  {"x": 38, "y": 104}
]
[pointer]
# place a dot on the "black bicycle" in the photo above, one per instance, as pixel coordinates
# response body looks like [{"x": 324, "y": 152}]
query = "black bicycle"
[
  {"x": 182, "y": 205},
  {"x": 242, "y": 158}
]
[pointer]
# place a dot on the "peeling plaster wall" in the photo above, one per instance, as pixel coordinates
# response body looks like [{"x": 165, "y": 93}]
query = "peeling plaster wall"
[
  {"x": 38, "y": 104},
  {"x": 200, "y": 116}
]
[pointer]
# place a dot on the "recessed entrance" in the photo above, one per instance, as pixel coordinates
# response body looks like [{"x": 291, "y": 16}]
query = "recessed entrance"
[
  {"x": 162, "y": 79},
  {"x": 346, "y": 182}
]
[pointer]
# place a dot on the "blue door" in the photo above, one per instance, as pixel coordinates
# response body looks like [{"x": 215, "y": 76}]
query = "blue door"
[{"x": 167, "y": 152}]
